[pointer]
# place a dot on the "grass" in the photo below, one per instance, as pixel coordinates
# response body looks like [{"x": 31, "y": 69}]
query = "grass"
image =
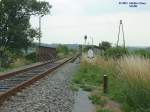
[
  {"x": 74, "y": 87},
  {"x": 88, "y": 76},
  {"x": 86, "y": 87},
  {"x": 103, "y": 110},
  {"x": 20, "y": 62},
  {"x": 136, "y": 72},
  {"x": 16, "y": 64},
  {"x": 129, "y": 81},
  {"x": 4, "y": 69},
  {"x": 97, "y": 100}
]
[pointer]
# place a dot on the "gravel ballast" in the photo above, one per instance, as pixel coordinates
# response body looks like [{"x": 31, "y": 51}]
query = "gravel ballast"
[{"x": 50, "y": 94}]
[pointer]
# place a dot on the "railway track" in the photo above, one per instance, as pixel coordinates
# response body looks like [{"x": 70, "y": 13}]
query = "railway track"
[{"x": 14, "y": 82}]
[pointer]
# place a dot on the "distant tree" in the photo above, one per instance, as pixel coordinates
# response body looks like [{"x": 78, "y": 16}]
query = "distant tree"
[
  {"x": 63, "y": 49},
  {"x": 116, "y": 52},
  {"x": 15, "y": 29},
  {"x": 104, "y": 45}
]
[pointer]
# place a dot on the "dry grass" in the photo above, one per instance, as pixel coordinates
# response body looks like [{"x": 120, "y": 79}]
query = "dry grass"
[
  {"x": 130, "y": 68},
  {"x": 129, "y": 78},
  {"x": 135, "y": 70},
  {"x": 100, "y": 61}
]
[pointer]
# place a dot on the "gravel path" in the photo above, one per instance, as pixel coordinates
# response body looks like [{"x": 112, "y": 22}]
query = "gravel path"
[{"x": 51, "y": 94}]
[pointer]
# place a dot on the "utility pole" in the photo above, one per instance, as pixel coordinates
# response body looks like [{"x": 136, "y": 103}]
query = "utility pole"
[
  {"x": 92, "y": 41},
  {"x": 121, "y": 28},
  {"x": 40, "y": 35}
]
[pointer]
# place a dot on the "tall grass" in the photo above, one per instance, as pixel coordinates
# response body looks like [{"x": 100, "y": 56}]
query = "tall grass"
[
  {"x": 136, "y": 72},
  {"x": 130, "y": 81}
]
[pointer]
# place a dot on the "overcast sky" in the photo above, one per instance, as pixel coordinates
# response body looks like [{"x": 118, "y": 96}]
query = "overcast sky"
[{"x": 70, "y": 20}]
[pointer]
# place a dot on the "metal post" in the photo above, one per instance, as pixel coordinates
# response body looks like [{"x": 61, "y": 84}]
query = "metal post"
[
  {"x": 121, "y": 28},
  {"x": 119, "y": 34},
  {"x": 123, "y": 36},
  {"x": 105, "y": 88},
  {"x": 92, "y": 44},
  {"x": 40, "y": 17},
  {"x": 39, "y": 30},
  {"x": 85, "y": 38}
]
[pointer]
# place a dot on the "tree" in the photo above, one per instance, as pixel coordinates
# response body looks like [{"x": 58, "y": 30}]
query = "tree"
[
  {"x": 15, "y": 29},
  {"x": 104, "y": 45},
  {"x": 63, "y": 49}
]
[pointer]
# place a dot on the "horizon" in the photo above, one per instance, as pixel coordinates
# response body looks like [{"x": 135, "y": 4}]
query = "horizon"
[{"x": 90, "y": 44}]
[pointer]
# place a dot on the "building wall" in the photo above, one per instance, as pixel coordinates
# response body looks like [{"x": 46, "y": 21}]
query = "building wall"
[{"x": 46, "y": 53}]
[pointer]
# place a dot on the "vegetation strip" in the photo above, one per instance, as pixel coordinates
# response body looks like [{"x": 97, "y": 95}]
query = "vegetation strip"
[{"x": 128, "y": 80}]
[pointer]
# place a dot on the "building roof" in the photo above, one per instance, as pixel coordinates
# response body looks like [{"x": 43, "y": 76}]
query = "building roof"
[{"x": 47, "y": 45}]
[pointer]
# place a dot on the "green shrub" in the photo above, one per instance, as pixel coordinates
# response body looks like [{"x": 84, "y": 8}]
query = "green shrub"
[
  {"x": 4, "y": 69},
  {"x": 5, "y": 58},
  {"x": 104, "y": 45},
  {"x": 72, "y": 51},
  {"x": 115, "y": 52},
  {"x": 20, "y": 62},
  {"x": 31, "y": 57},
  {"x": 142, "y": 53},
  {"x": 62, "y": 49}
]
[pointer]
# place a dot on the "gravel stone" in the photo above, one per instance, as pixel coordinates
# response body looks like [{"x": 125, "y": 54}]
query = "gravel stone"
[{"x": 50, "y": 94}]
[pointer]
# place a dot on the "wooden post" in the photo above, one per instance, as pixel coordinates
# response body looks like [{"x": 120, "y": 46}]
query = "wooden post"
[{"x": 105, "y": 88}]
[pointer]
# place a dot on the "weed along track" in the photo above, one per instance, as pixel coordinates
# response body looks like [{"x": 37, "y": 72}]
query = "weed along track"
[{"x": 12, "y": 83}]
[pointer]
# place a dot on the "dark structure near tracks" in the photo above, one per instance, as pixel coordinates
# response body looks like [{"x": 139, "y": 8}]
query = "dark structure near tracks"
[{"x": 46, "y": 53}]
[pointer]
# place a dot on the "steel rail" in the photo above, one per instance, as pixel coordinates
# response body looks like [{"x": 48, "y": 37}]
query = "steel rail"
[{"x": 11, "y": 83}]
